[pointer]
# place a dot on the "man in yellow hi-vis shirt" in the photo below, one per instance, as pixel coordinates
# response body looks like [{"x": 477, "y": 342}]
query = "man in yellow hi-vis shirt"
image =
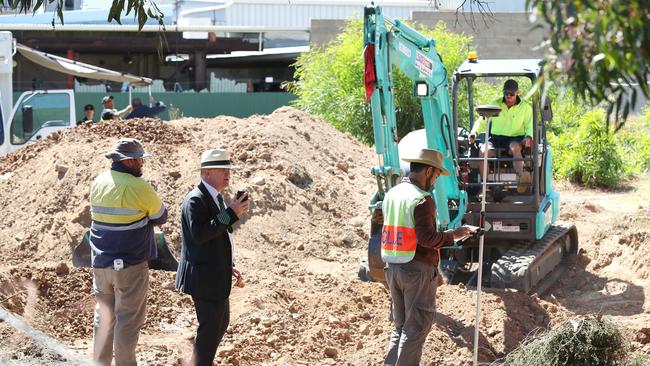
[
  {"x": 512, "y": 129},
  {"x": 124, "y": 209}
]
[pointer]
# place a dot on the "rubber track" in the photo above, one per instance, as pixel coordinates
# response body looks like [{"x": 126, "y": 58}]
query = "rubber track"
[{"x": 511, "y": 270}]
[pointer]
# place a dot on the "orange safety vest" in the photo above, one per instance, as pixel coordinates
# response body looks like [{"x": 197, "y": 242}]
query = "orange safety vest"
[{"x": 398, "y": 239}]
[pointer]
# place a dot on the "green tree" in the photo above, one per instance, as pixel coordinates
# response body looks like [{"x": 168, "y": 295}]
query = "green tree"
[
  {"x": 599, "y": 47},
  {"x": 330, "y": 81}
]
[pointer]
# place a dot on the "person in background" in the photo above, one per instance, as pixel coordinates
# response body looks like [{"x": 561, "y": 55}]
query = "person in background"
[
  {"x": 140, "y": 110},
  {"x": 511, "y": 130},
  {"x": 110, "y": 113},
  {"x": 89, "y": 114}
]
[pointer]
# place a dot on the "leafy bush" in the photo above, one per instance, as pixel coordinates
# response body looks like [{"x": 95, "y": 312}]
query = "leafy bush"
[
  {"x": 639, "y": 132},
  {"x": 567, "y": 108},
  {"x": 330, "y": 81},
  {"x": 634, "y": 147},
  {"x": 588, "y": 154},
  {"x": 640, "y": 360},
  {"x": 581, "y": 341}
]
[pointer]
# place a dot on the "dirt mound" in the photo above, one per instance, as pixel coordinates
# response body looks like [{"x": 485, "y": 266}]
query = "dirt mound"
[
  {"x": 624, "y": 248},
  {"x": 611, "y": 276},
  {"x": 147, "y": 130},
  {"x": 290, "y": 327},
  {"x": 300, "y": 172}
]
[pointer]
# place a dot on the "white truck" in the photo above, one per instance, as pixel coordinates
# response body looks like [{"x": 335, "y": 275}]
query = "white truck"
[{"x": 38, "y": 113}]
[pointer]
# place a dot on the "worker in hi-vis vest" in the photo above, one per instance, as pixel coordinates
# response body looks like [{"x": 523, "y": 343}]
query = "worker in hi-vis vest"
[{"x": 409, "y": 247}]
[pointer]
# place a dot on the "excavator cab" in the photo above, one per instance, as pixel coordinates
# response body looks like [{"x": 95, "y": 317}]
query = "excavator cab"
[
  {"x": 525, "y": 247},
  {"x": 528, "y": 208}
]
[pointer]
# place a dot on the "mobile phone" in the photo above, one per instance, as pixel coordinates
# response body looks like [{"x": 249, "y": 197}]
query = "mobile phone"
[{"x": 242, "y": 193}]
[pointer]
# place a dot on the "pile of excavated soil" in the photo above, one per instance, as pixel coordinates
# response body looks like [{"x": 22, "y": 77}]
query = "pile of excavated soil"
[
  {"x": 303, "y": 176},
  {"x": 298, "y": 248}
]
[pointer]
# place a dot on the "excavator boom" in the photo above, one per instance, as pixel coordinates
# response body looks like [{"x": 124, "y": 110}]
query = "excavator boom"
[{"x": 395, "y": 44}]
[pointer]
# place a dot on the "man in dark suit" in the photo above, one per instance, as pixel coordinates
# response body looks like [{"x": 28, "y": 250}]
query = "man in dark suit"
[{"x": 206, "y": 268}]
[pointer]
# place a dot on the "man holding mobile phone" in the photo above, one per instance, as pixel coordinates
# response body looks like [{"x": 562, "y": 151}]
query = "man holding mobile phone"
[{"x": 206, "y": 268}]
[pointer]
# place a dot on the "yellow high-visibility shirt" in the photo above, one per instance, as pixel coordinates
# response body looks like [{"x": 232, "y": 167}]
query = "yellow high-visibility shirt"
[{"x": 514, "y": 121}]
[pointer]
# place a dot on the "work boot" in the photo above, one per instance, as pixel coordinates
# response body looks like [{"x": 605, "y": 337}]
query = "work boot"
[{"x": 524, "y": 179}]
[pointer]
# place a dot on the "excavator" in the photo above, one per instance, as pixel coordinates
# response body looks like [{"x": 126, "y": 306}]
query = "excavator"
[{"x": 525, "y": 247}]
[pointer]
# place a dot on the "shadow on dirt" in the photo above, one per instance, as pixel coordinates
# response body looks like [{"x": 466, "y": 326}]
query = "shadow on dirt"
[{"x": 581, "y": 291}]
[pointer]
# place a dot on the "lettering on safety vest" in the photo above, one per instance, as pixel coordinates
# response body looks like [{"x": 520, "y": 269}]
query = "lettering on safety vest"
[
  {"x": 397, "y": 237},
  {"x": 398, "y": 244}
]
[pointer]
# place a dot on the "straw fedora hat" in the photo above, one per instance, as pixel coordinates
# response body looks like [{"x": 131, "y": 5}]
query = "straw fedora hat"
[
  {"x": 216, "y": 159},
  {"x": 429, "y": 157}
]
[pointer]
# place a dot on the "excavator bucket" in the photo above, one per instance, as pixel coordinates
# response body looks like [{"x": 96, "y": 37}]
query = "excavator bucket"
[{"x": 165, "y": 260}]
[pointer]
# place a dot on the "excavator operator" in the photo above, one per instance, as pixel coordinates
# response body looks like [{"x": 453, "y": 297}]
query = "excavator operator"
[{"x": 511, "y": 130}]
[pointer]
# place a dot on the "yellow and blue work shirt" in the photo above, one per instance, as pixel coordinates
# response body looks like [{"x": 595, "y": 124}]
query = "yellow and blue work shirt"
[
  {"x": 514, "y": 121},
  {"x": 124, "y": 209}
]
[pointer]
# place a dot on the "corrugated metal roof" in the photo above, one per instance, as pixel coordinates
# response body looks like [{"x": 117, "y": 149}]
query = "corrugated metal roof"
[
  {"x": 296, "y": 13},
  {"x": 75, "y": 17},
  {"x": 258, "y": 13}
]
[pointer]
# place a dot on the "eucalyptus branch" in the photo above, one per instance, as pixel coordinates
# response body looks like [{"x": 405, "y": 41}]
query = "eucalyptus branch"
[{"x": 481, "y": 7}]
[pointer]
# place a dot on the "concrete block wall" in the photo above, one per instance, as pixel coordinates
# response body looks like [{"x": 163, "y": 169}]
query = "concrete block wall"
[
  {"x": 506, "y": 35},
  {"x": 322, "y": 31},
  {"x": 499, "y": 36}
]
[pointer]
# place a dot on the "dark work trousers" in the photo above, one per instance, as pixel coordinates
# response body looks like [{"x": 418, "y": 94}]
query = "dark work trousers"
[
  {"x": 213, "y": 320},
  {"x": 413, "y": 289}
]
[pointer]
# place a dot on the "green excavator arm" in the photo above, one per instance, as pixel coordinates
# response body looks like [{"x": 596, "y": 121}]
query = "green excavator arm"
[
  {"x": 392, "y": 44},
  {"x": 395, "y": 44}
]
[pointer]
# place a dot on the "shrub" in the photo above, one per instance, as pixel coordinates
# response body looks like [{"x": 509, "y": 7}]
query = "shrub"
[
  {"x": 567, "y": 109},
  {"x": 581, "y": 341},
  {"x": 634, "y": 148},
  {"x": 329, "y": 82},
  {"x": 640, "y": 360},
  {"x": 588, "y": 154}
]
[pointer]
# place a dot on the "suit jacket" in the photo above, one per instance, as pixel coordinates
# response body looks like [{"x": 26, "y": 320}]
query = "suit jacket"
[{"x": 205, "y": 268}]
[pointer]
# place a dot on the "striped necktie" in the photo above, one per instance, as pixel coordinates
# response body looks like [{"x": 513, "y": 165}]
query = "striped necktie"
[
  {"x": 223, "y": 215},
  {"x": 222, "y": 205}
]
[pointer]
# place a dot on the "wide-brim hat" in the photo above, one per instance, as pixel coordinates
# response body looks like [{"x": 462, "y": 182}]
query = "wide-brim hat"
[
  {"x": 127, "y": 148},
  {"x": 216, "y": 159},
  {"x": 428, "y": 157}
]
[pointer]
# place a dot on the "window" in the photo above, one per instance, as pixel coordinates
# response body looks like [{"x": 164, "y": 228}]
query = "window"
[{"x": 39, "y": 111}]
